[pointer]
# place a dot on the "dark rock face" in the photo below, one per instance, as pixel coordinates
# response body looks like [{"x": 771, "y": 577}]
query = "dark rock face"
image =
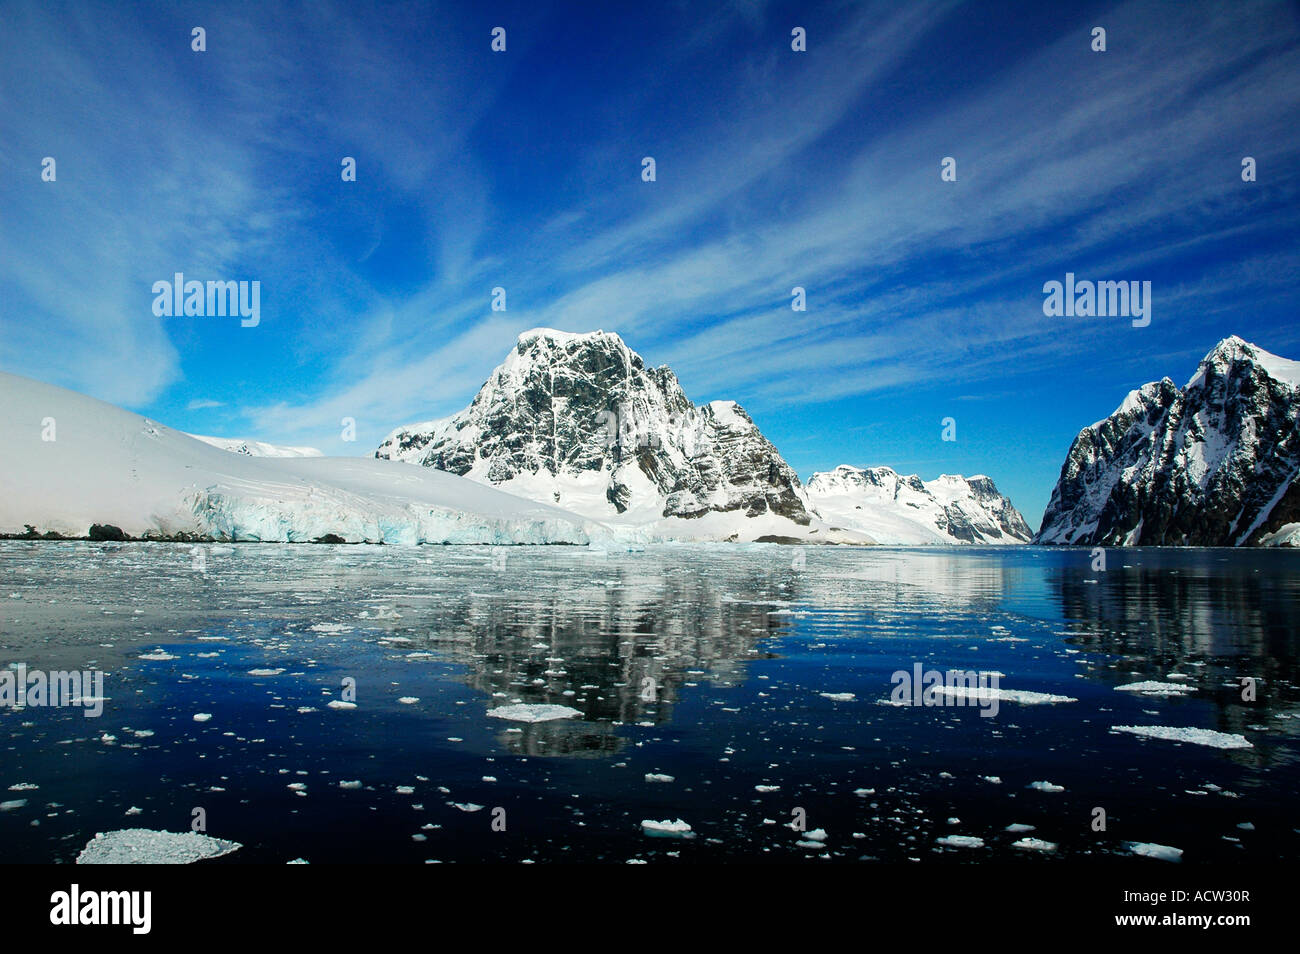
[
  {"x": 106, "y": 531},
  {"x": 1212, "y": 464},
  {"x": 579, "y": 420}
]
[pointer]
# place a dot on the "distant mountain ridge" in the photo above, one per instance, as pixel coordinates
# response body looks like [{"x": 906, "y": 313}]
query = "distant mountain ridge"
[
  {"x": 1214, "y": 463},
  {"x": 257, "y": 448},
  {"x": 899, "y": 510},
  {"x": 580, "y": 421}
]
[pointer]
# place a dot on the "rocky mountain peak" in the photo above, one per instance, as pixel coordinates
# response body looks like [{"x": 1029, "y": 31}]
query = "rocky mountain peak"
[
  {"x": 581, "y": 421},
  {"x": 1213, "y": 463}
]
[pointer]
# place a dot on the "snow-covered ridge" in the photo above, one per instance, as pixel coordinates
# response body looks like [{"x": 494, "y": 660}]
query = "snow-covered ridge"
[
  {"x": 1214, "y": 463},
  {"x": 257, "y": 448},
  {"x": 68, "y": 461},
  {"x": 905, "y": 510},
  {"x": 580, "y": 421}
]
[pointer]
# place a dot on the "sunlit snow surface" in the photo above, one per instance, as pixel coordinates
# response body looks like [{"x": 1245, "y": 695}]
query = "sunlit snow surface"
[{"x": 336, "y": 703}]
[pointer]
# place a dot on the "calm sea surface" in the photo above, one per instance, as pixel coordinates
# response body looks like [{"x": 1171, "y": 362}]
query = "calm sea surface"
[{"x": 724, "y": 686}]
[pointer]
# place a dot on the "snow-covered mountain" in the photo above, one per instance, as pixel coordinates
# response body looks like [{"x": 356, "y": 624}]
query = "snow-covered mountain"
[
  {"x": 257, "y": 448},
  {"x": 897, "y": 510},
  {"x": 580, "y": 421},
  {"x": 68, "y": 461},
  {"x": 1214, "y": 463}
]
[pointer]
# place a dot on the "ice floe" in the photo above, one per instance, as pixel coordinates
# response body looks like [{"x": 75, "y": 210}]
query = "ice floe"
[
  {"x": 1046, "y": 787},
  {"x": 1152, "y": 688},
  {"x": 960, "y": 841},
  {"x": 1034, "y": 844},
  {"x": 1209, "y": 737},
  {"x": 142, "y": 846},
  {"x": 533, "y": 712},
  {"x": 1149, "y": 849}
]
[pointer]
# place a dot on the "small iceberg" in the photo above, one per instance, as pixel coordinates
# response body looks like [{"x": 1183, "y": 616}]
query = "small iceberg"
[{"x": 667, "y": 829}]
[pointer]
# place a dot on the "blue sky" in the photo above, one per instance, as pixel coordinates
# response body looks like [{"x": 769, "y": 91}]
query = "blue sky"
[{"x": 774, "y": 169}]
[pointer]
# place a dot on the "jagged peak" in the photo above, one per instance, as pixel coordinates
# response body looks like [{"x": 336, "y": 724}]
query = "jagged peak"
[
  {"x": 547, "y": 346},
  {"x": 567, "y": 337},
  {"x": 1232, "y": 349}
]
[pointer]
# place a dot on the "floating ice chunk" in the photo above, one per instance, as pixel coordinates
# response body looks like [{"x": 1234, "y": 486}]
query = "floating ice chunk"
[
  {"x": 1034, "y": 844},
  {"x": 767, "y": 788},
  {"x": 533, "y": 712},
  {"x": 202, "y": 716},
  {"x": 961, "y": 841},
  {"x": 350, "y": 784},
  {"x": 838, "y": 696},
  {"x": 1018, "y": 828},
  {"x": 467, "y": 806},
  {"x": 141, "y": 846},
  {"x": 406, "y": 790},
  {"x": 1152, "y": 688},
  {"x": 23, "y": 787},
  {"x": 1215, "y": 740},
  {"x": 409, "y": 700},
  {"x": 986, "y": 694},
  {"x": 666, "y": 829},
  {"x": 1149, "y": 849},
  {"x": 265, "y": 672},
  {"x": 330, "y": 628},
  {"x": 12, "y": 804},
  {"x": 1045, "y": 787},
  {"x": 657, "y": 777},
  {"x": 157, "y": 655},
  {"x": 340, "y": 704}
]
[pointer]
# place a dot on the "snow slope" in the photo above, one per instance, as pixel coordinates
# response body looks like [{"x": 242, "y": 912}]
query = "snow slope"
[
  {"x": 906, "y": 511},
  {"x": 106, "y": 465}
]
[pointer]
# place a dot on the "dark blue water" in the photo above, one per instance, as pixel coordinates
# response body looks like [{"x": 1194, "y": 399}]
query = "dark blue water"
[{"x": 703, "y": 663}]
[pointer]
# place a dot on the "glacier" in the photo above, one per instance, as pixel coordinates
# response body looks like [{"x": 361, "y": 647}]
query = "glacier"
[{"x": 71, "y": 461}]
